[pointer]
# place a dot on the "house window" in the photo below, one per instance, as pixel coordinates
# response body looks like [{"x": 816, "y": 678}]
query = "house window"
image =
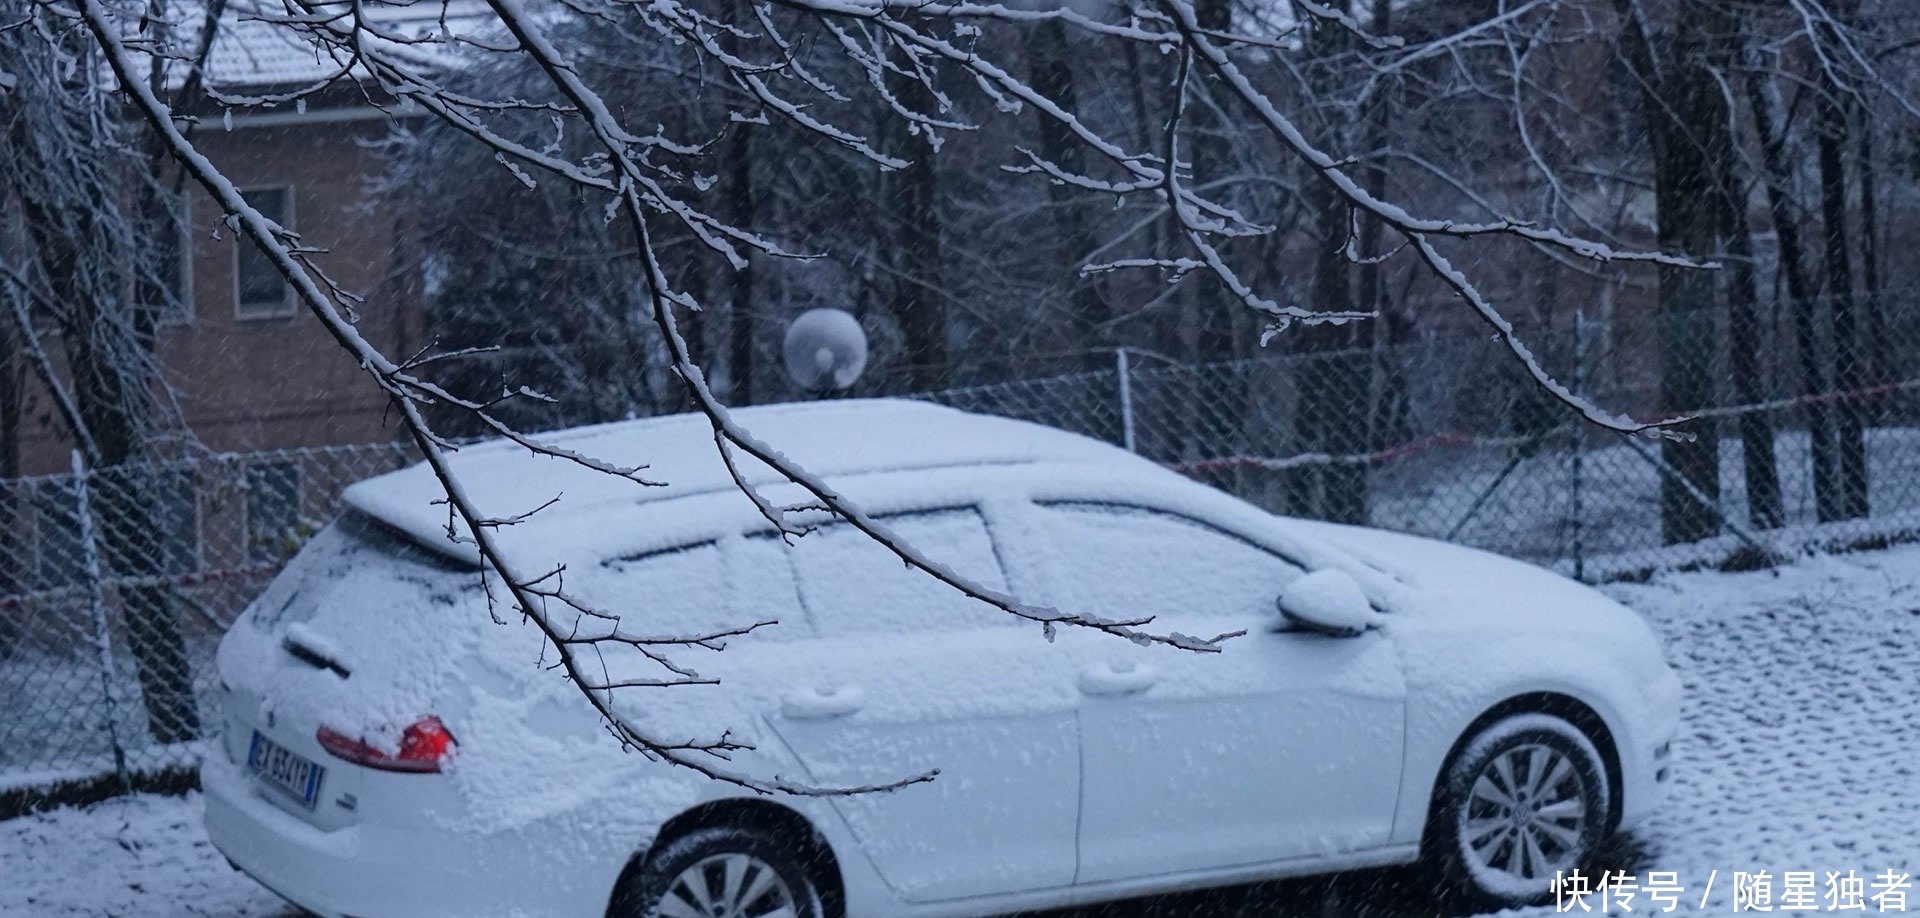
[
  {"x": 168, "y": 286},
  {"x": 260, "y": 291},
  {"x": 273, "y": 510}
]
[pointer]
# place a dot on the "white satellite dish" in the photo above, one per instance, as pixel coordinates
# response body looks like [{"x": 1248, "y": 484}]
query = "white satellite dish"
[{"x": 825, "y": 349}]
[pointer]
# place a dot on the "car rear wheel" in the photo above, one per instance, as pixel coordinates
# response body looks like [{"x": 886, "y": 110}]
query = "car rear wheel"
[
  {"x": 1524, "y": 801},
  {"x": 719, "y": 873}
]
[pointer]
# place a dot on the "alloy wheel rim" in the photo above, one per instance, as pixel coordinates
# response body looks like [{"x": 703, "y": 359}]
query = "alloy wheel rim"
[
  {"x": 728, "y": 886},
  {"x": 1526, "y": 814}
]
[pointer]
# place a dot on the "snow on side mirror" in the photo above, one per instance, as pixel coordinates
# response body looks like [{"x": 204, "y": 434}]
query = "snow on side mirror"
[{"x": 1329, "y": 602}]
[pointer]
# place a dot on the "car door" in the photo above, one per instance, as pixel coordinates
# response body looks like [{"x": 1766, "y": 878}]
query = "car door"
[
  {"x": 1283, "y": 745},
  {"x": 915, "y": 678}
]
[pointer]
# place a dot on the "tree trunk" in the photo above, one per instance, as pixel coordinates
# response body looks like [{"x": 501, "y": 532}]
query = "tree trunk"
[
  {"x": 1762, "y": 473},
  {"x": 1773, "y": 157},
  {"x": 1213, "y": 327},
  {"x": 1849, "y": 376},
  {"x": 1882, "y": 366},
  {"x": 694, "y": 323},
  {"x": 917, "y": 304},
  {"x": 1761, "y": 467},
  {"x": 1678, "y": 99},
  {"x": 134, "y": 531},
  {"x": 12, "y": 546},
  {"x": 1051, "y": 74},
  {"x": 114, "y": 397},
  {"x": 1386, "y": 389},
  {"x": 1331, "y": 380},
  {"x": 740, "y": 307},
  {"x": 1332, "y": 409},
  {"x": 1221, "y": 390}
]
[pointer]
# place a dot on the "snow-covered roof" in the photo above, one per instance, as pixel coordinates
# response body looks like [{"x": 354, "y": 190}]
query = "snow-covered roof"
[
  {"x": 251, "y": 54},
  {"x": 834, "y": 439}
]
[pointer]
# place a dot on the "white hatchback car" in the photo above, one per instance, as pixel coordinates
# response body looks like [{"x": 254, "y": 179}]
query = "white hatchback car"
[{"x": 390, "y": 751}]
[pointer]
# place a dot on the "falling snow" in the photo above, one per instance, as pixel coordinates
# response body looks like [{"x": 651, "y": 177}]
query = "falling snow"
[{"x": 1796, "y": 755}]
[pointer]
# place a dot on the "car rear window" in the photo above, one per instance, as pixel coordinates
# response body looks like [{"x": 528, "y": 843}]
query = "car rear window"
[{"x": 350, "y": 552}]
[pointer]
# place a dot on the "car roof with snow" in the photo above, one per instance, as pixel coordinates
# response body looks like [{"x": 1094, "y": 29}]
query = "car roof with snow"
[
  {"x": 885, "y": 455},
  {"x": 835, "y": 439}
]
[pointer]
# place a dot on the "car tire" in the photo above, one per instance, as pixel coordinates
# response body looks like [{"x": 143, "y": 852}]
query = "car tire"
[
  {"x": 1525, "y": 800},
  {"x": 719, "y": 873}
]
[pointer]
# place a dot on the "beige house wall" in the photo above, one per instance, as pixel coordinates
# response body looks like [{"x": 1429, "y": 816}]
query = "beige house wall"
[{"x": 262, "y": 383}]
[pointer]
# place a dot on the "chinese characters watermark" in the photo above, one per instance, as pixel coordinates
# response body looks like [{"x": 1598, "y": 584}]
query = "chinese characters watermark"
[{"x": 1798, "y": 891}]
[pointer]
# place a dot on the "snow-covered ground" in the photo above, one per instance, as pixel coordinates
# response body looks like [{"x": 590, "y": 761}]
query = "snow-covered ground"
[
  {"x": 141, "y": 855},
  {"x": 1801, "y": 753}
]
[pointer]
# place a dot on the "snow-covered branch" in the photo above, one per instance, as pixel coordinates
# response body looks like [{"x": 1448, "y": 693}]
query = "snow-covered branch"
[
  {"x": 408, "y": 395},
  {"x": 645, "y": 181}
]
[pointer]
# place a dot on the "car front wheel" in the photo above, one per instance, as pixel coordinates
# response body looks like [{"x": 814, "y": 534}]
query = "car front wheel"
[
  {"x": 720, "y": 873},
  {"x": 1525, "y": 801}
]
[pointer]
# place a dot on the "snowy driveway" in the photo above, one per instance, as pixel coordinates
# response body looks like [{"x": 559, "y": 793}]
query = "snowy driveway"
[{"x": 1801, "y": 753}]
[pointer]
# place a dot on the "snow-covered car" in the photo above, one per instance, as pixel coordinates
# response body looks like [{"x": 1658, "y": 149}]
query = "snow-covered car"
[{"x": 396, "y": 747}]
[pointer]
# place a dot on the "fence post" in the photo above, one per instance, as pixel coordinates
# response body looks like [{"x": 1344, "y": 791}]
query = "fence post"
[
  {"x": 97, "y": 598},
  {"x": 1579, "y": 443},
  {"x": 1126, "y": 398}
]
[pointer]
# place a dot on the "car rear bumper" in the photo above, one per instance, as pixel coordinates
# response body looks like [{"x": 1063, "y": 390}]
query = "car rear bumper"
[{"x": 368, "y": 870}]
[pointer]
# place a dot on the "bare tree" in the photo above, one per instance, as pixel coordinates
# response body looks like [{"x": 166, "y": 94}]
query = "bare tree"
[
  {"x": 1680, "y": 100},
  {"x": 1052, "y": 74},
  {"x": 82, "y": 188},
  {"x": 1822, "y": 54},
  {"x": 1727, "y": 48},
  {"x": 1849, "y": 362},
  {"x": 909, "y": 60}
]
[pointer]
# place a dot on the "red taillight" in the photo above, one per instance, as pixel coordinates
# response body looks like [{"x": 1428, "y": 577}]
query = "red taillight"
[{"x": 422, "y": 747}]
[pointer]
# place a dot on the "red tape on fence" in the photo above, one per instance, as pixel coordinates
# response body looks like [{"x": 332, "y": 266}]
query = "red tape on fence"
[
  {"x": 1444, "y": 440},
  {"x": 191, "y": 578}
]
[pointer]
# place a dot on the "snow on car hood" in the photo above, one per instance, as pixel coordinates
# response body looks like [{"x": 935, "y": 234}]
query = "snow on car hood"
[
  {"x": 1460, "y": 603},
  {"x": 1471, "y": 626},
  {"x": 1443, "y": 578}
]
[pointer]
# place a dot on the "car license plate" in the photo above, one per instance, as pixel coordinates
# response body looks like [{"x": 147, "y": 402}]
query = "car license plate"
[{"x": 295, "y": 775}]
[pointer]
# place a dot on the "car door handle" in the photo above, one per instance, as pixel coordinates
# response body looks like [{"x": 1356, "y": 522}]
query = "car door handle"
[
  {"x": 1113, "y": 679},
  {"x": 823, "y": 702}
]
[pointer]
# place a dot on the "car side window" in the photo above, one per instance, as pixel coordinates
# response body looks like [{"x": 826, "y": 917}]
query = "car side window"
[
  {"x": 1120, "y": 561},
  {"x": 703, "y": 588},
  {"x": 853, "y": 585}
]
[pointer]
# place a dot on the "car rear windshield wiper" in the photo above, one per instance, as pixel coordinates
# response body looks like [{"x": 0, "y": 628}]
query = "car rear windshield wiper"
[{"x": 312, "y": 657}]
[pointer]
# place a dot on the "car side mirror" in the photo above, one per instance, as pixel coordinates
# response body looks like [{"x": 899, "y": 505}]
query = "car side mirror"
[{"x": 1327, "y": 602}]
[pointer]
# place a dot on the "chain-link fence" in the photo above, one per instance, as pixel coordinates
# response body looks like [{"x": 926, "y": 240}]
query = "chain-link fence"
[
  {"x": 116, "y": 584},
  {"x": 1448, "y": 438}
]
